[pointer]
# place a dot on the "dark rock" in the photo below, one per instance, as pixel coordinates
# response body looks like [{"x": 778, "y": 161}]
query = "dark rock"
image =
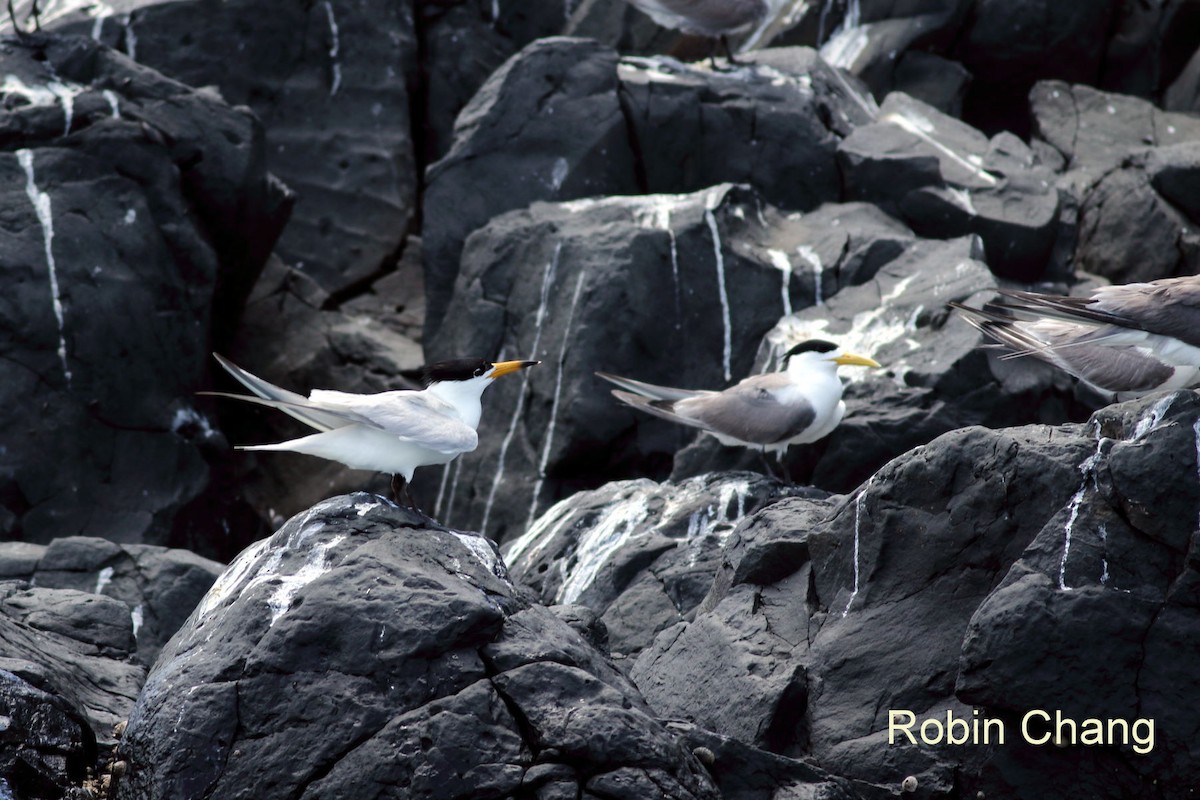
[
  {"x": 1095, "y": 131},
  {"x": 45, "y": 747},
  {"x": 743, "y": 772},
  {"x": 935, "y": 81},
  {"x": 157, "y": 587},
  {"x": 641, "y": 555},
  {"x": 947, "y": 179},
  {"x": 357, "y": 653},
  {"x": 1174, "y": 172},
  {"x": 762, "y": 124},
  {"x": 554, "y": 281},
  {"x": 1031, "y": 568},
  {"x": 1121, "y": 228},
  {"x": 75, "y": 646},
  {"x": 451, "y": 73},
  {"x": 146, "y": 224},
  {"x": 546, "y": 125},
  {"x": 1129, "y": 233},
  {"x": 652, "y": 125},
  {"x": 329, "y": 80},
  {"x": 872, "y": 37}
]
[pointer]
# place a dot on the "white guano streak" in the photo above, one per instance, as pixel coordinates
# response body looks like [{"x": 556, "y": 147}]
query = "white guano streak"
[
  {"x": 546, "y": 445},
  {"x": 612, "y": 530},
  {"x": 857, "y": 528},
  {"x": 725, "y": 317},
  {"x": 911, "y": 126},
  {"x": 334, "y": 47},
  {"x": 784, "y": 264},
  {"x": 547, "y": 282},
  {"x": 41, "y": 205},
  {"x": 810, "y": 255}
]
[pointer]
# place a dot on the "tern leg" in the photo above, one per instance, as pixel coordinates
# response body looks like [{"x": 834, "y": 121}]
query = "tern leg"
[
  {"x": 399, "y": 485},
  {"x": 733, "y": 62},
  {"x": 766, "y": 463}
]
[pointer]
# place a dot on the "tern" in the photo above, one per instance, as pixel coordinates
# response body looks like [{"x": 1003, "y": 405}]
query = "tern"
[
  {"x": 393, "y": 432},
  {"x": 1123, "y": 341},
  {"x": 767, "y": 412}
]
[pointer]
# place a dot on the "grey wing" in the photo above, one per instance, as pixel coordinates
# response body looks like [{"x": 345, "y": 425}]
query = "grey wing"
[
  {"x": 297, "y": 405},
  {"x": 1169, "y": 307},
  {"x": 751, "y": 411},
  {"x": 649, "y": 389},
  {"x": 1076, "y": 348},
  {"x": 410, "y": 416}
]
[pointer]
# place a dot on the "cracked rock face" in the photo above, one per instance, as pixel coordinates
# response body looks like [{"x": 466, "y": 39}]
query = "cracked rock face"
[
  {"x": 357, "y": 653},
  {"x": 126, "y": 238},
  {"x": 1005, "y": 571}
]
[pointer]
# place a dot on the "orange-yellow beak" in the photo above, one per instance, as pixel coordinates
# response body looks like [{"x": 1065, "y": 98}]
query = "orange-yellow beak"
[
  {"x": 852, "y": 360},
  {"x": 505, "y": 367}
]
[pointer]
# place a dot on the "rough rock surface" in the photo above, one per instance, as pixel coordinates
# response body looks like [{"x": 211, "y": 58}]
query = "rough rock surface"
[
  {"x": 1126, "y": 216},
  {"x": 328, "y": 79},
  {"x": 651, "y": 125},
  {"x": 139, "y": 210},
  {"x": 970, "y": 573},
  {"x": 159, "y": 587},
  {"x": 74, "y": 646},
  {"x": 359, "y": 653},
  {"x": 639, "y": 554}
]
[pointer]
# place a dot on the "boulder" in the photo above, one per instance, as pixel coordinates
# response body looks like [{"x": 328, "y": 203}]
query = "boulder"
[
  {"x": 653, "y": 125},
  {"x": 967, "y": 577},
  {"x": 946, "y": 179},
  {"x": 546, "y": 125},
  {"x": 47, "y": 748},
  {"x": 140, "y": 210},
  {"x": 361, "y": 651},
  {"x": 158, "y": 587},
  {"x": 76, "y": 649},
  {"x": 330, "y": 81},
  {"x": 1117, "y": 150}
]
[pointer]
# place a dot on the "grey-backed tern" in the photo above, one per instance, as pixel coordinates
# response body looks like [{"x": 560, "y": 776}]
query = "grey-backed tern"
[
  {"x": 764, "y": 412},
  {"x": 393, "y": 432},
  {"x": 1124, "y": 341}
]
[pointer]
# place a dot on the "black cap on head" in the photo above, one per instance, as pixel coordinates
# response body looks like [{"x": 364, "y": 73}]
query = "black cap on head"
[
  {"x": 812, "y": 346},
  {"x": 458, "y": 369}
]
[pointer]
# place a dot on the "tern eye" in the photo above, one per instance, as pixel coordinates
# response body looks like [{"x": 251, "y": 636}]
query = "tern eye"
[{"x": 479, "y": 371}]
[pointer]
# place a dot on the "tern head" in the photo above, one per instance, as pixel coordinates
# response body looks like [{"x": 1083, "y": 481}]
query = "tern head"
[
  {"x": 475, "y": 371},
  {"x": 821, "y": 352}
]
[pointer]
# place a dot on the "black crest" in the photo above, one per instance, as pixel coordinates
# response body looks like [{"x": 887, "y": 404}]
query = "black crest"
[
  {"x": 811, "y": 346},
  {"x": 458, "y": 369}
]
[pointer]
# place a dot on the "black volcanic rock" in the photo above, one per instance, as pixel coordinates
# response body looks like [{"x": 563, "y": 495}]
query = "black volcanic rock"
[
  {"x": 359, "y": 653},
  {"x": 639, "y": 554},
  {"x": 946, "y": 179},
  {"x": 46, "y": 747},
  {"x": 159, "y": 587},
  {"x": 545, "y": 126},
  {"x": 1009, "y": 570},
  {"x": 329, "y": 80},
  {"x": 652, "y": 126},
  {"x": 1116, "y": 149},
  {"x": 128, "y": 236},
  {"x": 75, "y": 646}
]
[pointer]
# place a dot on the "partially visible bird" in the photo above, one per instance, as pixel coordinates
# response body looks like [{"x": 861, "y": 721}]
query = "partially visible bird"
[
  {"x": 393, "y": 432},
  {"x": 1123, "y": 341},
  {"x": 714, "y": 19},
  {"x": 764, "y": 412}
]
